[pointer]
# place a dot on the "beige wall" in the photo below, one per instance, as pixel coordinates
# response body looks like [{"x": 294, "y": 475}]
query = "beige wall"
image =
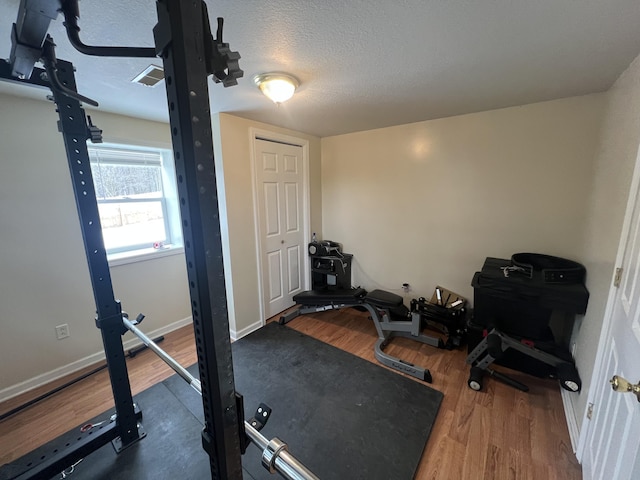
[
  {"x": 233, "y": 149},
  {"x": 615, "y": 160},
  {"x": 44, "y": 278},
  {"x": 425, "y": 203}
]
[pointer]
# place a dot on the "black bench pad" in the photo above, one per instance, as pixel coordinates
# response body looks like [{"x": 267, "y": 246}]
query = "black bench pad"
[
  {"x": 383, "y": 299},
  {"x": 328, "y": 297}
]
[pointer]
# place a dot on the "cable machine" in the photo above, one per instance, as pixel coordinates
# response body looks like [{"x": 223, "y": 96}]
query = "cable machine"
[{"x": 190, "y": 54}]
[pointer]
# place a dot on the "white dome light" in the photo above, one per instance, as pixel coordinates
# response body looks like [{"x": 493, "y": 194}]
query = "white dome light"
[{"x": 278, "y": 87}]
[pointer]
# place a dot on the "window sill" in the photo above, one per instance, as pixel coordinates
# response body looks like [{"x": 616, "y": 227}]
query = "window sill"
[{"x": 143, "y": 255}]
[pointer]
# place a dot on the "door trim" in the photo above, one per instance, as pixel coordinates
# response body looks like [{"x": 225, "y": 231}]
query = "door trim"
[
  {"x": 259, "y": 134},
  {"x": 599, "y": 365}
]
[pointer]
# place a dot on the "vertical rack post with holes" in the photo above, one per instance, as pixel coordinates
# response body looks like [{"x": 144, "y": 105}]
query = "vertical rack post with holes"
[
  {"x": 126, "y": 429},
  {"x": 180, "y": 40}
]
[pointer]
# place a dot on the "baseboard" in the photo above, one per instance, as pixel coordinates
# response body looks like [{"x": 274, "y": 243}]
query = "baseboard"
[
  {"x": 43, "y": 379},
  {"x": 236, "y": 335},
  {"x": 570, "y": 414}
]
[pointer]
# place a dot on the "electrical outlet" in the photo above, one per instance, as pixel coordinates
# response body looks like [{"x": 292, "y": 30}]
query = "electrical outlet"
[{"x": 62, "y": 331}]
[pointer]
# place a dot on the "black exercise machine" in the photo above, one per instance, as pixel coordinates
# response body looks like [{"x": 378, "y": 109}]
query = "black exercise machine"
[{"x": 523, "y": 313}]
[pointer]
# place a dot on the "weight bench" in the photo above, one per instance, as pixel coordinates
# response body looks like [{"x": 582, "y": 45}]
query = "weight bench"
[{"x": 389, "y": 315}]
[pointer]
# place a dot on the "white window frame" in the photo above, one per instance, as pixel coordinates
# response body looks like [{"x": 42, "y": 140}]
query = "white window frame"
[{"x": 169, "y": 202}]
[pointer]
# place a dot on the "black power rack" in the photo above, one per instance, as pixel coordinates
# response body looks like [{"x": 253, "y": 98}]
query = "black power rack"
[{"x": 190, "y": 54}]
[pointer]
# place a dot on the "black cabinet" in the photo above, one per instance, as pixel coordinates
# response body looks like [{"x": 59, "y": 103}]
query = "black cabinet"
[{"x": 527, "y": 308}]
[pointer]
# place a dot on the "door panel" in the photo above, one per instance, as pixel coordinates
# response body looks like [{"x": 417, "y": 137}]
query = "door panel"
[
  {"x": 613, "y": 439},
  {"x": 279, "y": 176},
  {"x": 291, "y": 163},
  {"x": 272, "y": 209},
  {"x": 292, "y": 202},
  {"x": 295, "y": 283},
  {"x": 275, "y": 275},
  {"x": 269, "y": 162},
  {"x": 628, "y": 290},
  {"x": 628, "y": 437},
  {"x": 600, "y": 449}
]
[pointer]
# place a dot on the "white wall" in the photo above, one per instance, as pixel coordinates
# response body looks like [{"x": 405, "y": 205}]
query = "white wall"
[
  {"x": 615, "y": 159},
  {"x": 44, "y": 279},
  {"x": 425, "y": 203},
  {"x": 233, "y": 149}
]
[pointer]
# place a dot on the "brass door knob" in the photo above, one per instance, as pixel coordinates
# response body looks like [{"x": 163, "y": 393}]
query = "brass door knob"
[{"x": 623, "y": 385}]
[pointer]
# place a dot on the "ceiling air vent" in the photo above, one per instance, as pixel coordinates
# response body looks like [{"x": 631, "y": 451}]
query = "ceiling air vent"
[{"x": 150, "y": 76}]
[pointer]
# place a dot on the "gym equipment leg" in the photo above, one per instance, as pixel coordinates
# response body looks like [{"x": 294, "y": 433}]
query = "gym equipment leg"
[
  {"x": 496, "y": 343},
  {"x": 387, "y": 330}
]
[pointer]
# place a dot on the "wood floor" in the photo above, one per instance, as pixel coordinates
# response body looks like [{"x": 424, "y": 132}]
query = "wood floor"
[{"x": 499, "y": 433}]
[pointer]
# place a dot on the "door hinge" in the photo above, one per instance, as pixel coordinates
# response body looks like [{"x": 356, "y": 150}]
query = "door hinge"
[
  {"x": 618, "y": 277},
  {"x": 590, "y": 411}
]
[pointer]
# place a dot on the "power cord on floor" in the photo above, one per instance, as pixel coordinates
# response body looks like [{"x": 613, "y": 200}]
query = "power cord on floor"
[
  {"x": 68, "y": 471},
  {"x": 131, "y": 353},
  {"x": 369, "y": 281}
]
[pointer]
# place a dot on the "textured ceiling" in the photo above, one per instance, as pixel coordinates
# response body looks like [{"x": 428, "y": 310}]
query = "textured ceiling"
[{"x": 366, "y": 64}]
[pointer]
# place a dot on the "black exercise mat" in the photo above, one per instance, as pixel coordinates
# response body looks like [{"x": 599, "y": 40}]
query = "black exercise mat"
[
  {"x": 342, "y": 416},
  {"x": 172, "y": 448}
]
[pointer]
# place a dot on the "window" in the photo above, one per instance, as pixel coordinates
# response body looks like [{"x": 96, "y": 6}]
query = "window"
[{"x": 137, "y": 201}]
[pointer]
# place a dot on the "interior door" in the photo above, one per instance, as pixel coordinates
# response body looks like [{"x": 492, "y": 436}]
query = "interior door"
[
  {"x": 280, "y": 184},
  {"x": 613, "y": 440}
]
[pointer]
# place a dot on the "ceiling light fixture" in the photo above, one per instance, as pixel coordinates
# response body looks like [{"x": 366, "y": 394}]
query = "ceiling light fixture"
[{"x": 278, "y": 87}]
